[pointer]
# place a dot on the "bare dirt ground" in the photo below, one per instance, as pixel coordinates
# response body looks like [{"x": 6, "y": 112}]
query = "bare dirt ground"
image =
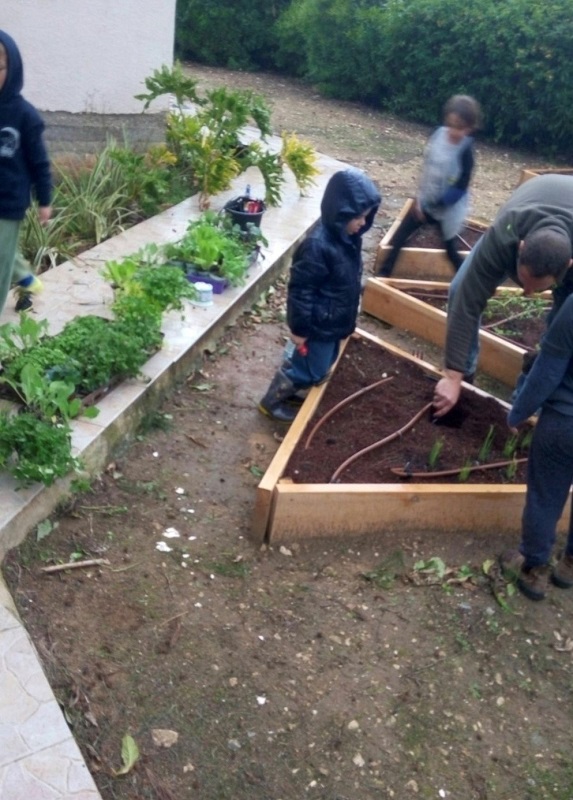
[{"x": 339, "y": 670}]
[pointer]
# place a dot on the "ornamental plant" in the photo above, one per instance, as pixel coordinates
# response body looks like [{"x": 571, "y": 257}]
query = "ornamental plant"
[{"x": 204, "y": 133}]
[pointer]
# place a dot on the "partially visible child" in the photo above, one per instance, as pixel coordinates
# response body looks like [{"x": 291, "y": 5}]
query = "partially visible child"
[
  {"x": 324, "y": 289},
  {"x": 443, "y": 196},
  {"x": 549, "y": 387},
  {"x": 24, "y": 167}
]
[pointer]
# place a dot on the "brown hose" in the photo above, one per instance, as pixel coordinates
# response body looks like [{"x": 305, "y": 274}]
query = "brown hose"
[
  {"x": 338, "y": 406},
  {"x": 402, "y": 473},
  {"x": 381, "y": 442}
]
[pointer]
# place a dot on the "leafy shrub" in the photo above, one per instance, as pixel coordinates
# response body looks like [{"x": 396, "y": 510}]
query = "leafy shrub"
[
  {"x": 410, "y": 57},
  {"x": 333, "y": 39},
  {"x": 238, "y": 34},
  {"x": 32, "y": 449}
]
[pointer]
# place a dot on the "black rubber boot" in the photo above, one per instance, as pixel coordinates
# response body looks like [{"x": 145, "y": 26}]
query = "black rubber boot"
[{"x": 274, "y": 404}]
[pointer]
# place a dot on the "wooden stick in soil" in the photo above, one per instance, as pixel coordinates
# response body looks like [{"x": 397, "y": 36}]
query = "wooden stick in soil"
[
  {"x": 445, "y": 473},
  {"x": 381, "y": 442},
  {"x": 338, "y": 406},
  {"x": 91, "y": 562}
]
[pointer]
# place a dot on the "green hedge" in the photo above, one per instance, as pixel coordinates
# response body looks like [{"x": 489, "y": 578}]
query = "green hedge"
[
  {"x": 513, "y": 56},
  {"x": 408, "y": 56},
  {"x": 238, "y": 34}
]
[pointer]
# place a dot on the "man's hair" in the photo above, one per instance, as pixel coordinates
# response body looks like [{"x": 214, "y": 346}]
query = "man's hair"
[{"x": 546, "y": 252}]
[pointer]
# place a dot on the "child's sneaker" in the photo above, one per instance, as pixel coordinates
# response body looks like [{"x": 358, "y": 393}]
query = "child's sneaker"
[{"x": 25, "y": 288}]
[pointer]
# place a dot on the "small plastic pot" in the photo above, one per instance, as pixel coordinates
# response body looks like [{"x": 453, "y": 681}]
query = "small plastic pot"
[{"x": 244, "y": 210}]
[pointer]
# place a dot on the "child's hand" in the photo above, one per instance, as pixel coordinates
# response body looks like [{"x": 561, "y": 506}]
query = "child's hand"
[{"x": 44, "y": 214}]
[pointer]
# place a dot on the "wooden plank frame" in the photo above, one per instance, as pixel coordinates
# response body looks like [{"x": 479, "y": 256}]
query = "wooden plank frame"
[
  {"x": 418, "y": 262},
  {"x": 386, "y": 299},
  {"x": 533, "y": 172},
  {"x": 287, "y": 512}
]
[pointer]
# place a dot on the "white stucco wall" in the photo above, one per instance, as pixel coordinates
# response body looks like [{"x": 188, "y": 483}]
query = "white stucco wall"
[{"x": 90, "y": 56}]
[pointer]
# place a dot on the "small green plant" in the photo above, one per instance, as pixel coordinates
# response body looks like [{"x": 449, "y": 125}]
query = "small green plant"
[
  {"x": 229, "y": 568},
  {"x": 432, "y": 566},
  {"x": 465, "y": 472},
  {"x": 49, "y": 399},
  {"x": 34, "y": 450},
  {"x": 511, "y": 470},
  {"x": 510, "y": 446},
  {"x": 487, "y": 444},
  {"x": 526, "y": 440},
  {"x": 384, "y": 575},
  {"x": 214, "y": 245},
  {"x": 435, "y": 452}
]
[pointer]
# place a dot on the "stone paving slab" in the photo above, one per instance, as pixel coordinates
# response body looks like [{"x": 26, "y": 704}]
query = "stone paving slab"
[{"x": 39, "y": 759}]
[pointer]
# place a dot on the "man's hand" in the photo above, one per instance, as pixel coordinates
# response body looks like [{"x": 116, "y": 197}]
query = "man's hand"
[{"x": 447, "y": 392}]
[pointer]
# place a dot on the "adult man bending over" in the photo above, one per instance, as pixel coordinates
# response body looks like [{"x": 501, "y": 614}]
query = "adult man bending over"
[{"x": 529, "y": 242}]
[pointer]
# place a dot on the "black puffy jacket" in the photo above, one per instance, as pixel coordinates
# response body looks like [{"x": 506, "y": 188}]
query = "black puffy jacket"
[{"x": 324, "y": 286}]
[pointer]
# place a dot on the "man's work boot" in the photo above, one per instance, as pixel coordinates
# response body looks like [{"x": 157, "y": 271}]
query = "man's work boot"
[
  {"x": 531, "y": 582},
  {"x": 562, "y": 575},
  {"x": 274, "y": 403}
]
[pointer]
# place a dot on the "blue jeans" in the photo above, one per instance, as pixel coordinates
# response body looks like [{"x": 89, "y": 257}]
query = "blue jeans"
[
  {"x": 472, "y": 359},
  {"x": 549, "y": 478},
  {"x": 308, "y": 370}
]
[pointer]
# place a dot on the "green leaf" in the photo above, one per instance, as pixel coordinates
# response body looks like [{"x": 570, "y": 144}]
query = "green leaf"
[
  {"x": 44, "y": 529},
  {"x": 129, "y": 755},
  {"x": 256, "y": 471},
  {"x": 487, "y": 565}
]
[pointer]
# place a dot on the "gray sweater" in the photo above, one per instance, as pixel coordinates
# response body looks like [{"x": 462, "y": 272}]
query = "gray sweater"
[{"x": 542, "y": 202}]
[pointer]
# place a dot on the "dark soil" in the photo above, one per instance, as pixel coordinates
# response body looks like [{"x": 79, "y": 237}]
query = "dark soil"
[
  {"x": 428, "y": 237},
  {"x": 385, "y": 410},
  {"x": 521, "y": 321}
]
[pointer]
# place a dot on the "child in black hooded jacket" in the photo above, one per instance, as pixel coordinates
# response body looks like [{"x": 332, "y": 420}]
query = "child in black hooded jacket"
[
  {"x": 324, "y": 289},
  {"x": 24, "y": 168}
]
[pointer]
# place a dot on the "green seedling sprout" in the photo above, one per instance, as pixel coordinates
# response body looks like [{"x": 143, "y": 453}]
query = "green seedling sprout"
[
  {"x": 511, "y": 470},
  {"x": 434, "y": 456},
  {"x": 510, "y": 445},
  {"x": 465, "y": 472},
  {"x": 526, "y": 441},
  {"x": 485, "y": 449}
]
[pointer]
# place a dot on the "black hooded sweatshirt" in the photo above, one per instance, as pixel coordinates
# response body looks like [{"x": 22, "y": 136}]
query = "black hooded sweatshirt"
[
  {"x": 24, "y": 163},
  {"x": 325, "y": 278}
]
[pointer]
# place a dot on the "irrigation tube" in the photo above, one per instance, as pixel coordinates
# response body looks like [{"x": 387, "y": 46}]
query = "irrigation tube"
[
  {"x": 338, "y": 406},
  {"x": 381, "y": 442},
  {"x": 403, "y": 473}
]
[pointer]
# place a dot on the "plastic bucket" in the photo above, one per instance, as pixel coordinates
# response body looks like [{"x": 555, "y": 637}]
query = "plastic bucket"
[{"x": 237, "y": 210}]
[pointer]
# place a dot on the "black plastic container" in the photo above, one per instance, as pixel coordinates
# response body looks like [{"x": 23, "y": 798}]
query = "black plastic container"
[{"x": 242, "y": 211}]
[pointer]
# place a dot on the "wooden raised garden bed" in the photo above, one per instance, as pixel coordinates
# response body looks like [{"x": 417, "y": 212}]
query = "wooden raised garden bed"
[
  {"x": 394, "y": 301},
  {"x": 298, "y": 498},
  {"x": 533, "y": 172},
  {"x": 423, "y": 257}
]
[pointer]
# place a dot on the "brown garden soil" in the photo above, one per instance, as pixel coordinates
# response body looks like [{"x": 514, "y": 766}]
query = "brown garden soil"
[
  {"x": 521, "y": 321},
  {"x": 428, "y": 238},
  {"x": 473, "y": 434},
  {"x": 392, "y": 667}
]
